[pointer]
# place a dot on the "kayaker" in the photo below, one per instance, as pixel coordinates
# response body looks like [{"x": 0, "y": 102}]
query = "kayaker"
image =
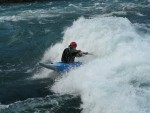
[{"x": 70, "y": 53}]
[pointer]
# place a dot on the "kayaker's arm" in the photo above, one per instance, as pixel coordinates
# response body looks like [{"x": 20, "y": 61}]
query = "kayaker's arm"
[
  {"x": 80, "y": 54},
  {"x": 85, "y": 53}
]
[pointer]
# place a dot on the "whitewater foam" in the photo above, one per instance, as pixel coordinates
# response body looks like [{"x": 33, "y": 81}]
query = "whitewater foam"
[
  {"x": 109, "y": 82},
  {"x": 3, "y": 106}
]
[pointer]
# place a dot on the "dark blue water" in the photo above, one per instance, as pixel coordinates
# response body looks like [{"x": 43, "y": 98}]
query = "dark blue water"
[{"x": 27, "y": 30}]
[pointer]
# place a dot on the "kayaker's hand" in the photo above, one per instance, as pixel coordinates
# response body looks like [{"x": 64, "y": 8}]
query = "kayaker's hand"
[{"x": 85, "y": 53}]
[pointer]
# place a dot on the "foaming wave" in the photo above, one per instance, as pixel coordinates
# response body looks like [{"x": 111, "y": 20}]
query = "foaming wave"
[
  {"x": 43, "y": 73},
  {"x": 117, "y": 79},
  {"x": 3, "y": 106},
  {"x": 27, "y": 15}
]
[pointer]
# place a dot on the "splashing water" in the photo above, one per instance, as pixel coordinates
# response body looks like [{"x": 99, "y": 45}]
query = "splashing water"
[{"x": 117, "y": 78}]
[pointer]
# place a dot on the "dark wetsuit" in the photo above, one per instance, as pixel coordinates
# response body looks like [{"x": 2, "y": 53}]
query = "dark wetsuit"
[{"x": 69, "y": 55}]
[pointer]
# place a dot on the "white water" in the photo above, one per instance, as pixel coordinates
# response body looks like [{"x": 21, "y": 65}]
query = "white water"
[{"x": 110, "y": 81}]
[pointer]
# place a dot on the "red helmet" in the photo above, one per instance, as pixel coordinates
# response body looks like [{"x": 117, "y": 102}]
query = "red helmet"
[{"x": 74, "y": 44}]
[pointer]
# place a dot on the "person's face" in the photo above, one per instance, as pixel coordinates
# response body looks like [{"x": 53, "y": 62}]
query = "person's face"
[{"x": 73, "y": 47}]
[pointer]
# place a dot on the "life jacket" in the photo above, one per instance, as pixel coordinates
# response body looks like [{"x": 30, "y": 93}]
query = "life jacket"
[{"x": 69, "y": 55}]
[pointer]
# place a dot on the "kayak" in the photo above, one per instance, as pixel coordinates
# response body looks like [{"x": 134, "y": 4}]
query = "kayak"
[{"x": 60, "y": 66}]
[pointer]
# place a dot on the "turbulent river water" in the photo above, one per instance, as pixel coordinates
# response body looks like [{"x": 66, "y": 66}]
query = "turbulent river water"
[{"x": 116, "y": 79}]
